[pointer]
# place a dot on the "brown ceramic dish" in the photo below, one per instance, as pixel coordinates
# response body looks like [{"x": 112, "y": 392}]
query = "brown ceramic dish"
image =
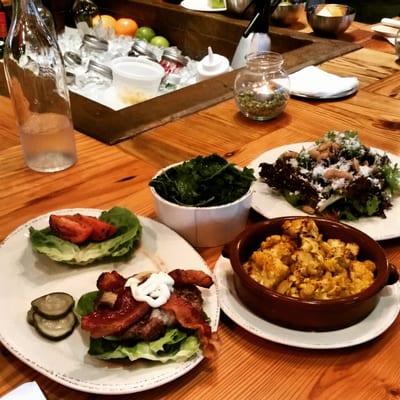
[{"x": 317, "y": 315}]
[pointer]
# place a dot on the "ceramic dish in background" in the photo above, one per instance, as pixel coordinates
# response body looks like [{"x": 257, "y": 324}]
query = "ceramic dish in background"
[
  {"x": 27, "y": 275},
  {"x": 301, "y": 314},
  {"x": 375, "y": 324},
  {"x": 203, "y": 226},
  {"x": 200, "y": 5},
  {"x": 271, "y": 204}
]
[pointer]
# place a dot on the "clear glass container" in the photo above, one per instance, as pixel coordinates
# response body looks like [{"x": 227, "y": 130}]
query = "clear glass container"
[
  {"x": 261, "y": 89},
  {"x": 37, "y": 85}
]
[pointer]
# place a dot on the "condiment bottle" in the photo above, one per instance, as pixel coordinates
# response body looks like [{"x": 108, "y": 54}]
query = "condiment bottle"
[
  {"x": 255, "y": 37},
  {"x": 212, "y": 65},
  {"x": 262, "y": 88},
  {"x": 36, "y": 82}
]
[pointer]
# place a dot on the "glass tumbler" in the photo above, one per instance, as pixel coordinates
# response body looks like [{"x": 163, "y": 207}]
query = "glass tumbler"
[
  {"x": 261, "y": 89},
  {"x": 38, "y": 89}
]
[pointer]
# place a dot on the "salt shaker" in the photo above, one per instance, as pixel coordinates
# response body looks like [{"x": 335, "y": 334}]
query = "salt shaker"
[{"x": 36, "y": 82}]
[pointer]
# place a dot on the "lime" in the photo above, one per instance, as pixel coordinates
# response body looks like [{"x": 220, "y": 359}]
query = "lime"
[
  {"x": 159, "y": 41},
  {"x": 145, "y": 33}
]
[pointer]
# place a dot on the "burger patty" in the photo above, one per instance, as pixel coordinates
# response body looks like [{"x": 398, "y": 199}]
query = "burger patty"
[{"x": 155, "y": 324}]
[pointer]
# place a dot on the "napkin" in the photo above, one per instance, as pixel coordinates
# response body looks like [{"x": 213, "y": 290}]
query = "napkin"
[
  {"x": 313, "y": 82},
  {"x": 29, "y": 390}
]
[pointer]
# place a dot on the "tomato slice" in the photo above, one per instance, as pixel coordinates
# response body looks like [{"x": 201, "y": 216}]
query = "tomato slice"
[
  {"x": 70, "y": 228},
  {"x": 101, "y": 230},
  {"x": 80, "y": 228}
]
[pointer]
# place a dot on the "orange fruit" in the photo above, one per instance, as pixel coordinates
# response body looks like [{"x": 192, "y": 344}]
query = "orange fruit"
[
  {"x": 107, "y": 21},
  {"x": 126, "y": 26}
]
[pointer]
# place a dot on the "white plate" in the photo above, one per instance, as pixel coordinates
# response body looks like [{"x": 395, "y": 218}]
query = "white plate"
[
  {"x": 369, "y": 328},
  {"x": 334, "y": 96},
  {"x": 271, "y": 204},
  {"x": 27, "y": 275},
  {"x": 200, "y": 5}
]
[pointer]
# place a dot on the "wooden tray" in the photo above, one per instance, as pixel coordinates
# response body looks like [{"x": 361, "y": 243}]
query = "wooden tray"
[{"x": 192, "y": 32}]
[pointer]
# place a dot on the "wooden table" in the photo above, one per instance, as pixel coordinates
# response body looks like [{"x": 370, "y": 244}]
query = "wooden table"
[{"x": 247, "y": 367}]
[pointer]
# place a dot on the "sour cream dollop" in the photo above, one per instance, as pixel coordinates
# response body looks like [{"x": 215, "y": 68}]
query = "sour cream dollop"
[{"x": 155, "y": 291}]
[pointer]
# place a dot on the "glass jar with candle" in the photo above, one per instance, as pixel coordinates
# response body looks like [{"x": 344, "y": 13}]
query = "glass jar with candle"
[{"x": 261, "y": 89}]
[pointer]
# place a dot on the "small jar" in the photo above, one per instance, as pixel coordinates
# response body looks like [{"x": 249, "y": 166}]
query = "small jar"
[
  {"x": 93, "y": 46},
  {"x": 261, "y": 89},
  {"x": 172, "y": 61},
  {"x": 141, "y": 48}
]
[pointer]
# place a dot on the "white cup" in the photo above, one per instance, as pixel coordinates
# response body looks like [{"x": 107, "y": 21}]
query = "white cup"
[{"x": 136, "y": 76}]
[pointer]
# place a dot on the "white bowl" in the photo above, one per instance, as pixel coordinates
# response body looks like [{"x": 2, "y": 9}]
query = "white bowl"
[
  {"x": 204, "y": 226},
  {"x": 136, "y": 75}
]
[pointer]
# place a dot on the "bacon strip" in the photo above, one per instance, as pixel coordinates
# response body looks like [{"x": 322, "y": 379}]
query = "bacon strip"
[
  {"x": 125, "y": 312},
  {"x": 191, "y": 277},
  {"x": 111, "y": 282},
  {"x": 190, "y": 318}
]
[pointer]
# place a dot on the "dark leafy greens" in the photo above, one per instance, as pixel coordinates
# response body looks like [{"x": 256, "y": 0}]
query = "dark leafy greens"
[
  {"x": 203, "y": 182},
  {"x": 338, "y": 177},
  {"x": 121, "y": 244}
]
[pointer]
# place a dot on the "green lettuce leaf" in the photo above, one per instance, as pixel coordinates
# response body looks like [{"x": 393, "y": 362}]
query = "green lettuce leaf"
[
  {"x": 85, "y": 304},
  {"x": 121, "y": 244},
  {"x": 175, "y": 345}
]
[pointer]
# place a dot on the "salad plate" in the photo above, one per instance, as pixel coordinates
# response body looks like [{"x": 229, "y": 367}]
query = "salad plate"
[
  {"x": 200, "y": 5},
  {"x": 269, "y": 203},
  {"x": 369, "y": 328},
  {"x": 27, "y": 275}
]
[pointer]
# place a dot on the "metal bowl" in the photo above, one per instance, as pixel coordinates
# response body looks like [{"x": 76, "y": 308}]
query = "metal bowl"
[
  {"x": 288, "y": 13},
  {"x": 237, "y": 6},
  {"x": 330, "y": 26}
]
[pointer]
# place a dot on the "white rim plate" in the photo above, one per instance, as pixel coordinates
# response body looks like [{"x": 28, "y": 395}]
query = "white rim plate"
[
  {"x": 369, "y": 328},
  {"x": 200, "y": 5},
  {"x": 26, "y": 275},
  {"x": 271, "y": 204}
]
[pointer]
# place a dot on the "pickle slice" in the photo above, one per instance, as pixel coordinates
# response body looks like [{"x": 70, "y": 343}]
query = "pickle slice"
[
  {"x": 53, "y": 305},
  {"x": 55, "y": 329}
]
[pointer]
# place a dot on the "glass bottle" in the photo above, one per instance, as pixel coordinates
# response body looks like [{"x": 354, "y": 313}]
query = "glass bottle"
[
  {"x": 261, "y": 89},
  {"x": 46, "y": 16},
  {"x": 36, "y": 82},
  {"x": 84, "y": 11}
]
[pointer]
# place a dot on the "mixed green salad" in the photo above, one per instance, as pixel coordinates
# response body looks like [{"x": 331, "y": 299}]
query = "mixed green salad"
[
  {"x": 203, "y": 182},
  {"x": 128, "y": 233},
  {"x": 338, "y": 177},
  {"x": 175, "y": 345}
]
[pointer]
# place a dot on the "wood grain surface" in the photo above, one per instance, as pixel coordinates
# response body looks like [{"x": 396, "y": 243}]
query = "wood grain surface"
[{"x": 247, "y": 367}]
